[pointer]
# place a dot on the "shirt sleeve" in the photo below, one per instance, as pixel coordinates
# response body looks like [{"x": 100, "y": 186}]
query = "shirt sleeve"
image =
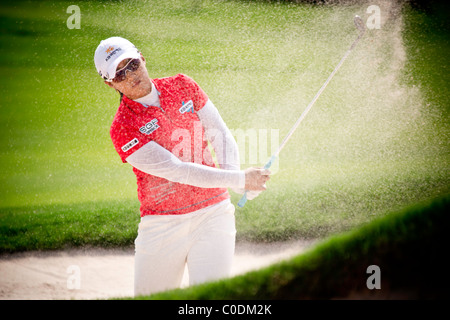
[
  {"x": 222, "y": 141},
  {"x": 156, "y": 160},
  {"x": 220, "y": 137}
]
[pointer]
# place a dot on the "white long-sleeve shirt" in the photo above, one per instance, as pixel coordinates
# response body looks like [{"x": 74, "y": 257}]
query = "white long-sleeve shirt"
[{"x": 158, "y": 161}]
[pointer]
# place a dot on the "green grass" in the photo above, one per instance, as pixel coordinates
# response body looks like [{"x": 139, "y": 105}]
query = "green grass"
[
  {"x": 407, "y": 246},
  {"x": 374, "y": 142},
  {"x": 100, "y": 224}
]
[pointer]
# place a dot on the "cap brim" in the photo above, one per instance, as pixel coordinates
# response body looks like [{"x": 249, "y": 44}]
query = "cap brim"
[{"x": 126, "y": 55}]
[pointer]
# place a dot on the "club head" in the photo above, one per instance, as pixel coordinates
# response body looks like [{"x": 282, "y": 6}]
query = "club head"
[{"x": 359, "y": 24}]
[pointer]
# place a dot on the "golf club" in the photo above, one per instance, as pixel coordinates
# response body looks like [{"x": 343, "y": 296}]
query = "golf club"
[{"x": 360, "y": 26}]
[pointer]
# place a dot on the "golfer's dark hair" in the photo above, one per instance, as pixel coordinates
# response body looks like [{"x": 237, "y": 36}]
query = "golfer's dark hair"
[{"x": 121, "y": 95}]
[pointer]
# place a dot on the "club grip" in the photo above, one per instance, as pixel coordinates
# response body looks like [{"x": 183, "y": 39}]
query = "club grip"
[{"x": 243, "y": 200}]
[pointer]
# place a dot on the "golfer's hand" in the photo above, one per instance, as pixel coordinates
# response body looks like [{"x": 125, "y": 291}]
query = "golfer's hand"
[{"x": 256, "y": 178}]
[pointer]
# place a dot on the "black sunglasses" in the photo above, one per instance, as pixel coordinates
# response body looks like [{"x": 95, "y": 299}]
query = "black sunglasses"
[{"x": 132, "y": 66}]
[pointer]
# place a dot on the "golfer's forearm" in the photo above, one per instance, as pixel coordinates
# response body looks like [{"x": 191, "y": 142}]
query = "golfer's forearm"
[
  {"x": 207, "y": 177},
  {"x": 217, "y": 132},
  {"x": 156, "y": 160}
]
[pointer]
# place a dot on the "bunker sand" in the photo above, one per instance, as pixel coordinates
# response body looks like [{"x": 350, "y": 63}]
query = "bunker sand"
[{"x": 108, "y": 273}]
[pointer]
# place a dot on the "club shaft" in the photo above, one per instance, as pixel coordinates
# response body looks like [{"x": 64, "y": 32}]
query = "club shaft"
[
  {"x": 360, "y": 26},
  {"x": 305, "y": 112}
]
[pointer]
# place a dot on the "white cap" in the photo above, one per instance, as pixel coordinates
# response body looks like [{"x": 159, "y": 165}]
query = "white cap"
[{"x": 110, "y": 53}]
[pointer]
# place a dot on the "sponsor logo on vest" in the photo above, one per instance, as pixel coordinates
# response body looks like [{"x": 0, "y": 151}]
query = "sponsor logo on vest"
[
  {"x": 130, "y": 145},
  {"x": 187, "y": 107},
  {"x": 150, "y": 127}
]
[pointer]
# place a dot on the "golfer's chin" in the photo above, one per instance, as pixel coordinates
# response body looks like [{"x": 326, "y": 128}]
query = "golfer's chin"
[{"x": 138, "y": 89}]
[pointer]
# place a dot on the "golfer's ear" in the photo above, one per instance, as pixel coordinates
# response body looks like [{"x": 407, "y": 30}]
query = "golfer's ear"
[
  {"x": 109, "y": 83},
  {"x": 142, "y": 57}
]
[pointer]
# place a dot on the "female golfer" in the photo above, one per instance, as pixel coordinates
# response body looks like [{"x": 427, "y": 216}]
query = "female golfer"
[{"x": 162, "y": 128}]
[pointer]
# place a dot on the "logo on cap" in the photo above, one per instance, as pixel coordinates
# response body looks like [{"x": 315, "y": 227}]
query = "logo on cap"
[
  {"x": 115, "y": 51},
  {"x": 109, "y": 49}
]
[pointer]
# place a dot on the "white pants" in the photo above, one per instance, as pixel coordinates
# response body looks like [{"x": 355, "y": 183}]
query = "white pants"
[{"x": 203, "y": 239}]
